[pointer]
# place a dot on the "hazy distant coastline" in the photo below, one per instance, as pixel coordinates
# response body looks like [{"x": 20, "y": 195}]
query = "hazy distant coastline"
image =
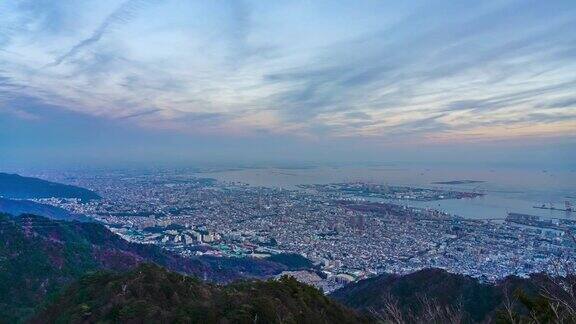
[{"x": 458, "y": 182}]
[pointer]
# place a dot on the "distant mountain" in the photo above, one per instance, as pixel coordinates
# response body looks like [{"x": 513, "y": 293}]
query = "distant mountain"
[
  {"x": 464, "y": 294},
  {"x": 19, "y": 187},
  {"x": 18, "y": 207},
  {"x": 151, "y": 294},
  {"x": 39, "y": 256}
]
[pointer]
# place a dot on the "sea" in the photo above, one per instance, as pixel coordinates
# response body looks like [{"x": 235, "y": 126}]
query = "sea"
[{"x": 505, "y": 189}]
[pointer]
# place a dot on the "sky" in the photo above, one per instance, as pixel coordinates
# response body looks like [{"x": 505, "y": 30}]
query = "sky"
[{"x": 112, "y": 81}]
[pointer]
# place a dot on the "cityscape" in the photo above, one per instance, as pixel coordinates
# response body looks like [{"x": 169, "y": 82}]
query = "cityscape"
[
  {"x": 287, "y": 162},
  {"x": 345, "y": 236}
]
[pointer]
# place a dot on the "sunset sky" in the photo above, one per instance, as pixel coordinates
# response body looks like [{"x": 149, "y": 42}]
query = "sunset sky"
[{"x": 182, "y": 80}]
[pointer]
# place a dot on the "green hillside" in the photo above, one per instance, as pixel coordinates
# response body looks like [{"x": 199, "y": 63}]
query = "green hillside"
[
  {"x": 39, "y": 256},
  {"x": 154, "y": 295}
]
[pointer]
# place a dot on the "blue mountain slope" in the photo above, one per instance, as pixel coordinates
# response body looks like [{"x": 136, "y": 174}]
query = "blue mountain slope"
[
  {"x": 19, "y": 187},
  {"x": 18, "y": 207}
]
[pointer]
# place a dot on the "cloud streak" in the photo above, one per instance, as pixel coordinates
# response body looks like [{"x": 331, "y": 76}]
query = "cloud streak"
[
  {"x": 358, "y": 70},
  {"x": 121, "y": 15}
]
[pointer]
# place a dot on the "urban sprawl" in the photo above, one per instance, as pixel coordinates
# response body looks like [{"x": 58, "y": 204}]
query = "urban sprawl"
[{"x": 344, "y": 235}]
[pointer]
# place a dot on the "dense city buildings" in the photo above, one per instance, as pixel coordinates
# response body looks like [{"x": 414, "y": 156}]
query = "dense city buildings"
[{"x": 344, "y": 235}]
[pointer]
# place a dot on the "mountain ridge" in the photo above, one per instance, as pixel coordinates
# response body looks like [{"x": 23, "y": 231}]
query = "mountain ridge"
[
  {"x": 152, "y": 294},
  {"x": 15, "y": 186},
  {"x": 39, "y": 256},
  {"x": 413, "y": 293},
  {"x": 19, "y": 207}
]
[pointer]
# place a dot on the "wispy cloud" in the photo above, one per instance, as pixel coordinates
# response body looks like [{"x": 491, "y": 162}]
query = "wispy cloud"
[
  {"x": 121, "y": 15},
  {"x": 394, "y": 71}
]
